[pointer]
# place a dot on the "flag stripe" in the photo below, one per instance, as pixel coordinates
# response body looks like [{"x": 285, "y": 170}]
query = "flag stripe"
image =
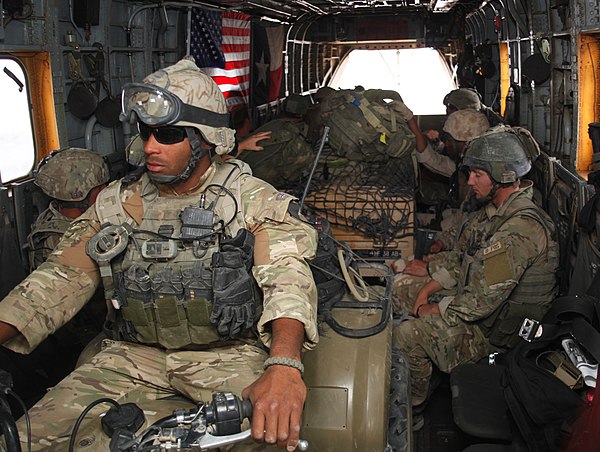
[
  {"x": 233, "y": 72},
  {"x": 229, "y": 32}
]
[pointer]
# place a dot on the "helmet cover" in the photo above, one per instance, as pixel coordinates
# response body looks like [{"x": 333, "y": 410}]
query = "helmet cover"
[
  {"x": 70, "y": 174},
  {"x": 462, "y": 98},
  {"x": 465, "y": 125},
  {"x": 175, "y": 89},
  {"x": 500, "y": 153}
]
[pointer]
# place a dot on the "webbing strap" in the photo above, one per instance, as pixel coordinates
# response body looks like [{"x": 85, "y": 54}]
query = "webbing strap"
[{"x": 363, "y": 104}]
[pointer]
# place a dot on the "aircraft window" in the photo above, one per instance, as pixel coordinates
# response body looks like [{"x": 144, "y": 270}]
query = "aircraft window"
[
  {"x": 421, "y": 76},
  {"x": 17, "y": 153}
]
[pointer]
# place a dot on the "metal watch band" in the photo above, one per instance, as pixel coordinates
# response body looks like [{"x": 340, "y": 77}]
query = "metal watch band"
[{"x": 281, "y": 361}]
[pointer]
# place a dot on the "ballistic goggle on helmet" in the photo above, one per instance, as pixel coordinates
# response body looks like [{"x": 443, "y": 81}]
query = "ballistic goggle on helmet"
[{"x": 181, "y": 95}]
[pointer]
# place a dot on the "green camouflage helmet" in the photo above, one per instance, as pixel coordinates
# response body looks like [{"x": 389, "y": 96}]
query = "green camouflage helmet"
[
  {"x": 193, "y": 87},
  {"x": 500, "y": 153},
  {"x": 466, "y": 125},
  {"x": 70, "y": 174},
  {"x": 462, "y": 98}
]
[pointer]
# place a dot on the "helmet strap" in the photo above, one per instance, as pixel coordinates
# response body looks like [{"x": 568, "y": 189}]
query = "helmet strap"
[
  {"x": 197, "y": 154},
  {"x": 83, "y": 204},
  {"x": 473, "y": 204}
]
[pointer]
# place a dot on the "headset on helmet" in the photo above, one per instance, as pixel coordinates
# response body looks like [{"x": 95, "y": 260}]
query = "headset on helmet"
[
  {"x": 465, "y": 125},
  {"x": 501, "y": 153},
  {"x": 181, "y": 95},
  {"x": 70, "y": 174}
]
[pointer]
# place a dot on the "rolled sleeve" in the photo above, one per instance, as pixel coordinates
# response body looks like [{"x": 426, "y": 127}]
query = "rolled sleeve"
[
  {"x": 284, "y": 246},
  {"x": 289, "y": 290}
]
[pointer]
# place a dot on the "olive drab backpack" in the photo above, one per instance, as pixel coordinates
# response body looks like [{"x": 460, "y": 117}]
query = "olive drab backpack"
[
  {"x": 286, "y": 158},
  {"x": 363, "y": 126}
]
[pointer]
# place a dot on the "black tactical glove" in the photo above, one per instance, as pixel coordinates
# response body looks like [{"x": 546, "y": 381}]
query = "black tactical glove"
[{"x": 235, "y": 292}]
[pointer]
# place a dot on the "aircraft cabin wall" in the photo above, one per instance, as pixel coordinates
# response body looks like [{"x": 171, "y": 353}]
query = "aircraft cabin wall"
[
  {"x": 536, "y": 53},
  {"x": 551, "y": 54},
  {"x": 93, "y": 47}
]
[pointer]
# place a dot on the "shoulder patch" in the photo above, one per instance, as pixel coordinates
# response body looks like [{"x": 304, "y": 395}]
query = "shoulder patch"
[
  {"x": 281, "y": 196},
  {"x": 496, "y": 264}
]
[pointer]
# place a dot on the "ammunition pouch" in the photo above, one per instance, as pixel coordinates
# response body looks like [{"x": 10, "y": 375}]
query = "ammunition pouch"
[
  {"x": 171, "y": 307},
  {"x": 236, "y": 295},
  {"x": 502, "y": 329}
]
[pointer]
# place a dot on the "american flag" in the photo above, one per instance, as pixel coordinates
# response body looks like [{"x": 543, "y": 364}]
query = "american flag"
[{"x": 220, "y": 44}]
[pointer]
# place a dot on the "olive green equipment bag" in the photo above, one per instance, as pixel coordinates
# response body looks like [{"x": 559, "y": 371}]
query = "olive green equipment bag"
[
  {"x": 286, "y": 158},
  {"x": 363, "y": 125}
]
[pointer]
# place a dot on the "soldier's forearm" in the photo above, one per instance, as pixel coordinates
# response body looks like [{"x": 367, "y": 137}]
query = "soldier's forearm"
[
  {"x": 288, "y": 335},
  {"x": 7, "y": 331}
]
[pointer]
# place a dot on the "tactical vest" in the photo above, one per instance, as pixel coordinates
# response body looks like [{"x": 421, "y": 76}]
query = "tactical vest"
[
  {"x": 45, "y": 235},
  {"x": 537, "y": 287},
  {"x": 163, "y": 286}
]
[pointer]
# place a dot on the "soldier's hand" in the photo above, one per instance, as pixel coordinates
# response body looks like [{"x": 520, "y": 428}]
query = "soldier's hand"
[
  {"x": 421, "y": 300},
  {"x": 428, "y": 309},
  {"x": 436, "y": 247},
  {"x": 416, "y": 267},
  {"x": 251, "y": 143},
  {"x": 432, "y": 135},
  {"x": 401, "y": 108},
  {"x": 277, "y": 401}
]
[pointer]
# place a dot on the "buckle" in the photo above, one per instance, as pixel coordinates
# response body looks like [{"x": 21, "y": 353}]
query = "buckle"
[{"x": 530, "y": 329}]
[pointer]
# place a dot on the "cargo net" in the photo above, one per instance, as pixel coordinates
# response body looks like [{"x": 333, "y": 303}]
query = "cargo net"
[{"x": 372, "y": 198}]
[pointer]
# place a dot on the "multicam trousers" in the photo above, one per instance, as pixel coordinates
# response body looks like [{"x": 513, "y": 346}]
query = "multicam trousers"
[
  {"x": 431, "y": 340},
  {"x": 147, "y": 376}
]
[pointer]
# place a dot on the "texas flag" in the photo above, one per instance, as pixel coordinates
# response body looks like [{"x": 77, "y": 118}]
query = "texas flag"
[
  {"x": 267, "y": 45},
  {"x": 220, "y": 44}
]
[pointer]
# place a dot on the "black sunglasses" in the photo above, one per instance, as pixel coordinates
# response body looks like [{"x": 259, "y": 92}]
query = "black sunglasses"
[{"x": 164, "y": 135}]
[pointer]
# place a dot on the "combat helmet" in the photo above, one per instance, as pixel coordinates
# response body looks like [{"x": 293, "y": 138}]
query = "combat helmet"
[
  {"x": 501, "y": 153},
  {"x": 70, "y": 174},
  {"x": 181, "y": 95},
  {"x": 465, "y": 125},
  {"x": 462, "y": 98}
]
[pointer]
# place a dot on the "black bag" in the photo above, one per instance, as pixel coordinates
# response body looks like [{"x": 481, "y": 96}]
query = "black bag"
[{"x": 539, "y": 402}]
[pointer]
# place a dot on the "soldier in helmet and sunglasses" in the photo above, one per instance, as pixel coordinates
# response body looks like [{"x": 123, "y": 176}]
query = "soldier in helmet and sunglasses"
[{"x": 204, "y": 267}]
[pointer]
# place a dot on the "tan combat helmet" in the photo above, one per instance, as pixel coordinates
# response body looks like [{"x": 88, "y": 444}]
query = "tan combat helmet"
[
  {"x": 69, "y": 175},
  {"x": 466, "y": 125},
  {"x": 462, "y": 98},
  {"x": 181, "y": 95}
]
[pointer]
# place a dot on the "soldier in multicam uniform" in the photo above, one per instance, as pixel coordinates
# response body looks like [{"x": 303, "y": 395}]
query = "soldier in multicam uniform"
[
  {"x": 72, "y": 177},
  {"x": 460, "y": 127},
  {"x": 190, "y": 290},
  {"x": 501, "y": 269}
]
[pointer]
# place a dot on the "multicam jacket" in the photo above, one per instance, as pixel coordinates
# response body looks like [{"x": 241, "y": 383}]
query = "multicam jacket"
[
  {"x": 503, "y": 268},
  {"x": 58, "y": 289}
]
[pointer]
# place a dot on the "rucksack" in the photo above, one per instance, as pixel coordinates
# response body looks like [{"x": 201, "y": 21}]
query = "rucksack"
[
  {"x": 539, "y": 402},
  {"x": 286, "y": 158},
  {"x": 363, "y": 126}
]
